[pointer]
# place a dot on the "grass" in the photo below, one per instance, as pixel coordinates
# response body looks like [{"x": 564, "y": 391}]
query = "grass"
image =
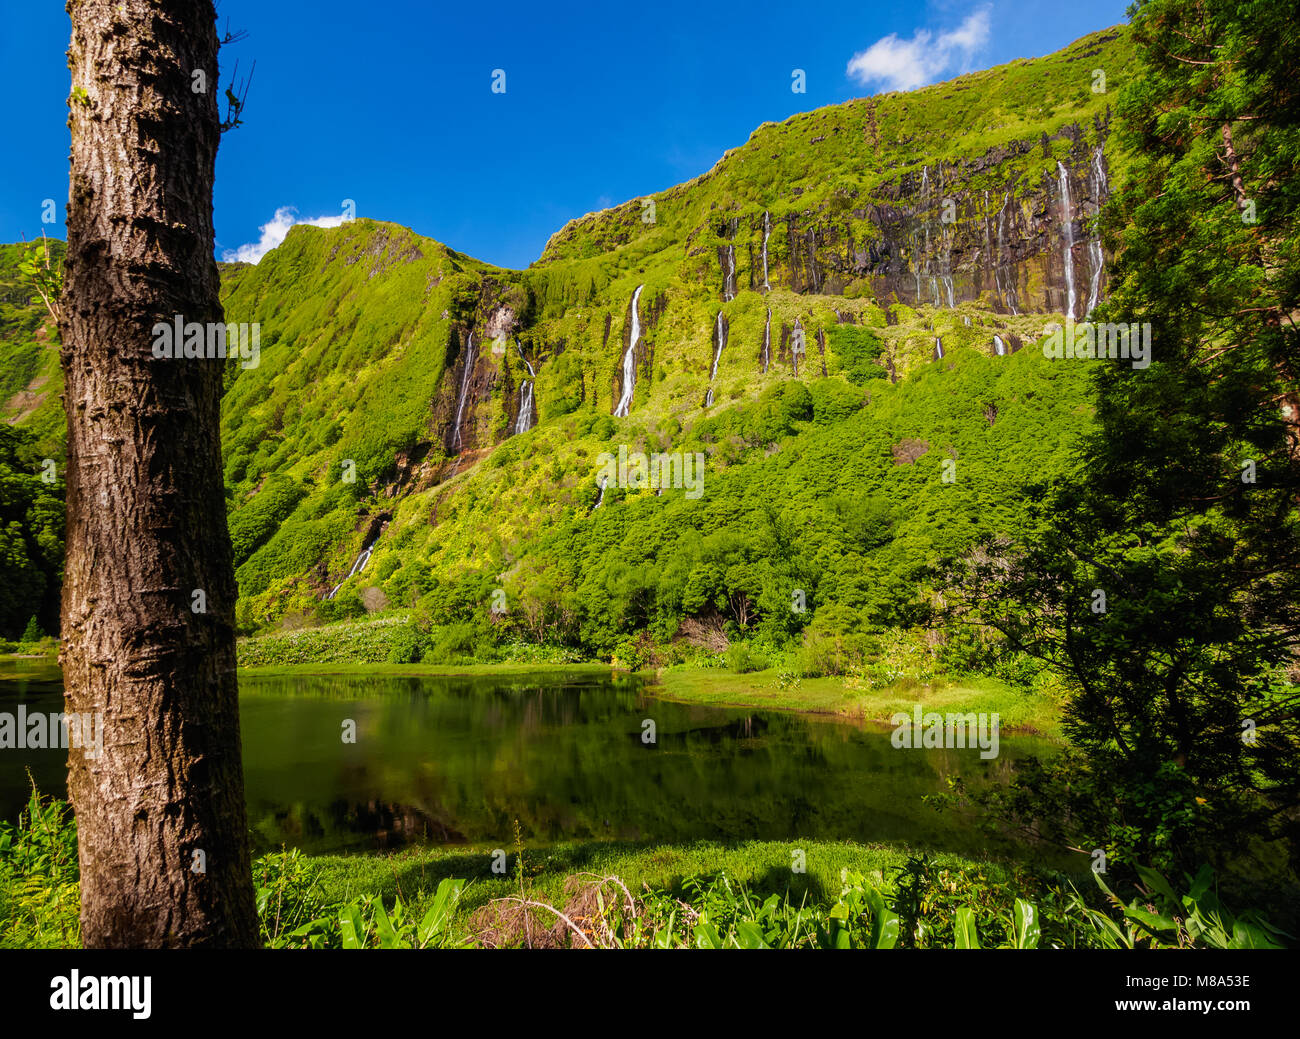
[
  {"x": 762, "y": 866},
  {"x": 1017, "y": 709}
]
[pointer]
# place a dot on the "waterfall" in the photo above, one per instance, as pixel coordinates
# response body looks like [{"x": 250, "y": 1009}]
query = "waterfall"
[
  {"x": 1067, "y": 229},
  {"x": 629, "y": 359},
  {"x": 601, "y": 483},
  {"x": 921, "y": 254},
  {"x": 938, "y": 349},
  {"x": 796, "y": 345},
  {"x": 946, "y": 269},
  {"x": 1008, "y": 291},
  {"x": 720, "y": 337},
  {"x": 525, "y": 420},
  {"x": 916, "y": 263},
  {"x": 767, "y": 341},
  {"x": 767, "y": 232},
  {"x": 1101, "y": 187},
  {"x": 814, "y": 273},
  {"x": 729, "y": 274},
  {"x": 1095, "y": 256},
  {"x": 1097, "y": 260},
  {"x": 466, "y": 371},
  {"x": 999, "y": 347},
  {"x": 357, "y": 566}
]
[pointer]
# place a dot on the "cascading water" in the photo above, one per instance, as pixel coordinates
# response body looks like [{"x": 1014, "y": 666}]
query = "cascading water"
[
  {"x": 1097, "y": 260},
  {"x": 1007, "y": 290},
  {"x": 925, "y": 204},
  {"x": 525, "y": 420},
  {"x": 601, "y": 483},
  {"x": 767, "y": 341},
  {"x": 999, "y": 347},
  {"x": 357, "y": 566},
  {"x": 767, "y": 233},
  {"x": 720, "y": 340},
  {"x": 938, "y": 349},
  {"x": 1095, "y": 256},
  {"x": 796, "y": 345},
  {"x": 1099, "y": 173},
  {"x": 729, "y": 275},
  {"x": 916, "y": 263},
  {"x": 945, "y": 274},
  {"x": 629, "y": 359},
  {"x": 1067, "y": 229},
  {"x": 466, "y": 371}
]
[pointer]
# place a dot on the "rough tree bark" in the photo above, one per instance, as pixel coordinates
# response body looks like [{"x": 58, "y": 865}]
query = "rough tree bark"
[{"x": 146, "y": 508}]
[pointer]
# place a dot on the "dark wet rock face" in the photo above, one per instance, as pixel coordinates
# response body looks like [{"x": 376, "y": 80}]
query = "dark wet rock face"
[{"x": 949, "y": 233}]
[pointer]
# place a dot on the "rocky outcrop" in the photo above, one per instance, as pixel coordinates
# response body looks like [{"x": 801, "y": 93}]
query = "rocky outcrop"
[{"x": 949, "y": 233}]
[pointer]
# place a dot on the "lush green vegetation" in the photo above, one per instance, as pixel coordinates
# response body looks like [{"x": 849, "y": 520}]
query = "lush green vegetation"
[
  {"x": 31, "y": 537},
  {"x": 1019, "y": 708},
  {"x": 1165, "y": 584},
  {"x": 30, "y": 377},
  {"x": 362, "y": 324},
  {"x": 756, "y": 895},
  {"x": 862, "y": 543}
]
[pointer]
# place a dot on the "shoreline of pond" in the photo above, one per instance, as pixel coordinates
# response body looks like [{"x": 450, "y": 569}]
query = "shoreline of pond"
[{"x": 1020, "y": 712}]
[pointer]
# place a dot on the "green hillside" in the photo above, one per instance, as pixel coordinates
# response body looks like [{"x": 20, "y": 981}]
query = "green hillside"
[
  {"x": 30, "y": 377},
  {"x": 826, "y": 316}
]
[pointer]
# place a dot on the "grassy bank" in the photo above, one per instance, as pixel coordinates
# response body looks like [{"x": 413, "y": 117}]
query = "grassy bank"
[
  {"x": 50, "y": 657},
  {"x": 755, "y": 894},
  {"x": 1017, "y": 708},
  {"x": 762, "y": 866}
]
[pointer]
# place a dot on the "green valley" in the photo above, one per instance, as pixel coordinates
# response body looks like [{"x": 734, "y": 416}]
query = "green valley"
[{"x": 623, "y": 565}]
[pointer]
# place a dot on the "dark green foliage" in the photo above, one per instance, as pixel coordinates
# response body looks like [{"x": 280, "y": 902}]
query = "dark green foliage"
[
  {"x": 30, "y": 377},
  {"x": 31, "y": 535},
  {"x": 858, "y": 350},
  {"x": 1183, "y": 703},
  {"x": 407, "y": 646},
  {"x": 43, "y": 841},
  {"x": 742, "y": 659},
  {"x": 258, "y": 518},
  {"x": 791, "y": 505}
]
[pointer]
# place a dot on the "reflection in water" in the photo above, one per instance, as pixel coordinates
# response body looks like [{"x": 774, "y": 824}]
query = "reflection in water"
[{"x": 458, "y": 760}]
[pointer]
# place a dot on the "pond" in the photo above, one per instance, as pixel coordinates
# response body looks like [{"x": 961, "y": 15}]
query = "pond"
[{"x": 458, "y": 760}]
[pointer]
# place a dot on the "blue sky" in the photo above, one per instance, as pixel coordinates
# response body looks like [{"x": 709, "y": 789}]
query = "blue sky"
[{"x": 390, "y": 103}]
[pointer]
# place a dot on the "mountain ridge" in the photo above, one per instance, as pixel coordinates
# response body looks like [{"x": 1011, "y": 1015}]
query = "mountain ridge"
[{"x": 803, "y": 286}]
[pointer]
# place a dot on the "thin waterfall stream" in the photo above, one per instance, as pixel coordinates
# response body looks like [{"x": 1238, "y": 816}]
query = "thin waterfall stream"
[
  {"x": 629, "y": 359},
  {"x": 1067, "y": 230}
]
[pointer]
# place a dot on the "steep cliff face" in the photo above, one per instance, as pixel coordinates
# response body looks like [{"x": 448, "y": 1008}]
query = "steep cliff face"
[
  {"x": 977, "y": 230},
  {"x": 974, "y": 196},
  {"x": 955, "y": 217}
]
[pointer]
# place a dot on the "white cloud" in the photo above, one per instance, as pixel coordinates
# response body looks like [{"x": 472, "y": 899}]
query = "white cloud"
[
  {"x": 905, "y": 64},
  {"x": 273, "y": 234}
]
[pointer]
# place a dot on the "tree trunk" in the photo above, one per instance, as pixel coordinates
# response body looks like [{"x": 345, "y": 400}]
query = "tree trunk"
[{"x": 161, "y": 824}]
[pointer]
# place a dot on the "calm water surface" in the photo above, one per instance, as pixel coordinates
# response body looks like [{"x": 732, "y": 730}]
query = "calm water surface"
[{"x": 459, "y": 760}]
